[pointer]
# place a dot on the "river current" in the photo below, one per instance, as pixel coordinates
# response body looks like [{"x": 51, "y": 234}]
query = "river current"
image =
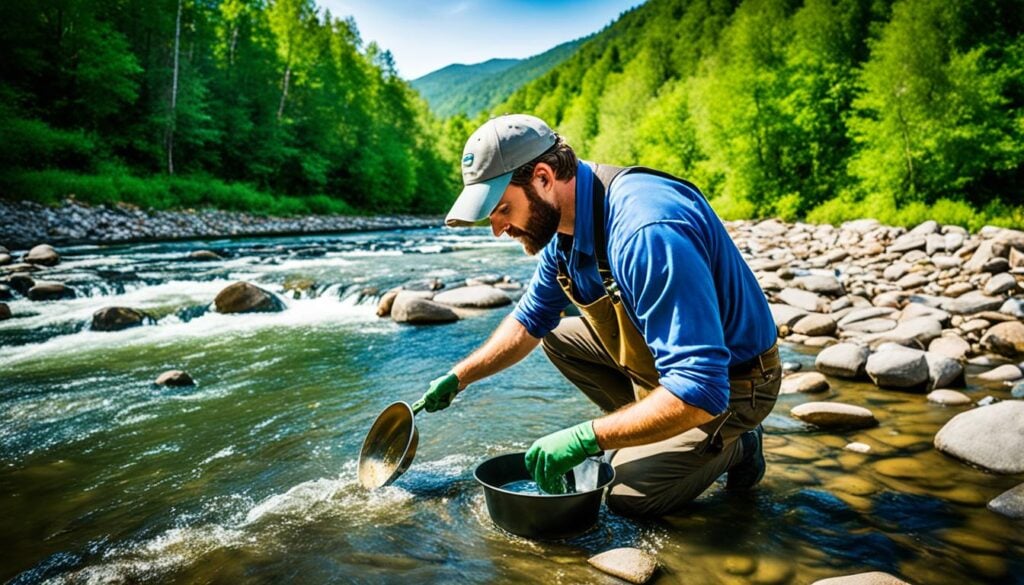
[{"x": 250, "y": 476}]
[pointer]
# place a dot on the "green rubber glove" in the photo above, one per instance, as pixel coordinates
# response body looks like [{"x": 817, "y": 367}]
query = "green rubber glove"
[
  {"x": 440, "y": 394},
  {"x": 550, "y": 457}
]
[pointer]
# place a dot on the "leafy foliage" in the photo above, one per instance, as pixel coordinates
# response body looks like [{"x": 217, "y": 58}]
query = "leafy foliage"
[
  {"x": 818, "y": 109},
  {"x": 272, "y": 96}
]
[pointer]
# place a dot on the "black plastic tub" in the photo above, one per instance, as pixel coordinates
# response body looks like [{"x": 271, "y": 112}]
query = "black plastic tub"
[{"x": 536, "y": 516}]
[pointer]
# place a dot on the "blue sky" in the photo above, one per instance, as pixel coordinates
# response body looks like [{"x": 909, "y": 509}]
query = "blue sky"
[{"x": 425, "y": 36}]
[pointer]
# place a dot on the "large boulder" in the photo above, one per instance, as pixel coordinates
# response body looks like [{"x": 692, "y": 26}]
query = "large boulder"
[
  {"x": 479, "y": 296},
  {"x": 245, "y": 297},
  {"x": 895, "y": 366},
  {"x": 43, "y": 254},
  {"x": 118, "y": 318},
  {"x": 1006, "y": 339},
  {"x": 1010, "y": 503},
  {"x": 412, "y": 308},
  {"x": 834, "y": 415},
  {"x": 843, "y": 360},
  {"x": 44, "y": 290},
  {"x": 990, "y": 437}
]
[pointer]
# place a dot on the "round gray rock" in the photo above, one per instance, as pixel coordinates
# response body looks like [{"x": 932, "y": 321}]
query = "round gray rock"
[
  {"x": 416, "y": 310},
  {"x": 1010, "y": 503},
  {"x": 1006, "y": 339},
  {"x": 948, "y": 397},
  {"x": 479, "y": 296},
  {"x": 174, "y": 378},
  {"x": 990, "y": 437},
  {"x": 633, "y": 565},
  {"x": 117, "y": 318},
  {"x": 834, "y": 415},
  {"x": 1013, "y": 307},
  {"x": 972, "y": 302},
  {"x": 898, "y": 367},
  {"x": 805, "y": 300},
  {"x": 806, "y": 382},
  {"x": 843, "y": 360},
  {"x": 245, "y": 297},
  {"x": 43, "y": 254},
  {"x": 943, "y": 371},
  {"x": 1000, "y": 284}
]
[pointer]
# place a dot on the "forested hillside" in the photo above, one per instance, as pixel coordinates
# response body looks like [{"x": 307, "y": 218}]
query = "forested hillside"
[
  {"x": 271, "y": 106},
  {"x": 825, "y": 109},
  {"x": 471, "y": 89}
]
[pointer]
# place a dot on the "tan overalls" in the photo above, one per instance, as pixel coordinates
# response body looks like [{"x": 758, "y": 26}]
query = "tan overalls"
[{"x": 605, "y": 355}]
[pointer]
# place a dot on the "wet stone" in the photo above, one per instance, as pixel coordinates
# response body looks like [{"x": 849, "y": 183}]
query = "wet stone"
[
  {"x": 633, "y": 565},
  {"x": 834, "y": 415},
  {"x": 245, "y": 297},
  {"x": 807, "y": 382},
  {"x": 204, "y": 256},
  {"x": 950, "y": 346},
  {"x": 990, "y": 437},
  {"x": 386, "y": 301},
  {"x": 871, "y": 578},
  {"x": 174, "y": 378},
  {"x": 415, "y": 310},
  {"x": 117, "y": 318},
  {"x": 943, "y": 371},
  {"x": 1006, "y": 339},
  {"x": 1010, "y": 503},
  {"x": 5, "y": 312},
  {"x": 843, "y": 360},
  {"x": 477, "y": 296},
  {"x": 43, "y": 254},
  {"x": 948, "y": 397},
  {"x": 1003, "y": 373},
  {"x": 45, "y": 290},
  {"x": 903, "y": 468},
  {"x": 898, "y": 367}
]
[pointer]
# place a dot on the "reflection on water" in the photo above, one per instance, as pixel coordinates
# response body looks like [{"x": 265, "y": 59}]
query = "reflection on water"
[{"x": 250, "y": 476}]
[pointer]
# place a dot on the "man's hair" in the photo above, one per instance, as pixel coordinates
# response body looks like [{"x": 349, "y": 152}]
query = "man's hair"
[{"x": 560, "y": 157}]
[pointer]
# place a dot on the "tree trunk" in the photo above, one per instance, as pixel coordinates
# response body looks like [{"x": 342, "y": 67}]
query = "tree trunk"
[
  {"x": 284, "y": 91},
  {"x": 174, "y": 93}
]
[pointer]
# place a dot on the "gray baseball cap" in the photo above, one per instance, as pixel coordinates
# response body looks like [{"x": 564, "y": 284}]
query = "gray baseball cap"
[{"x": 497, "y": 148}]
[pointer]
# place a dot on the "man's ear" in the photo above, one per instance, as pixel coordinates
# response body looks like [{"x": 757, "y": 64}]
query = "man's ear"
[{"x": 544, "y": 172}]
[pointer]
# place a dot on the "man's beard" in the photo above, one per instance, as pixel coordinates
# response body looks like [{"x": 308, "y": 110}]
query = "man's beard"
[{"x": 541, "y": 225}]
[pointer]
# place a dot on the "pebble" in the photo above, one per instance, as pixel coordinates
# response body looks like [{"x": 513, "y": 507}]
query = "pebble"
[{"x": 858, "y": 447}]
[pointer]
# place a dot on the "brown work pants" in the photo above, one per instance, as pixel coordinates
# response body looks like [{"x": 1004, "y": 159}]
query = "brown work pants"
[{"x": 660, "y": 478}]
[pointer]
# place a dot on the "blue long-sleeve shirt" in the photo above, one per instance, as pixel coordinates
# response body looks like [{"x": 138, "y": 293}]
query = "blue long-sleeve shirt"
[{"x": 683, "y": 282}]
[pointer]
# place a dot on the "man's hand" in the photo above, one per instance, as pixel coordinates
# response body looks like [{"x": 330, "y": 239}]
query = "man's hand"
[
  {"x": 550, "y": 457},
  {"x": 440, "y": 394}
]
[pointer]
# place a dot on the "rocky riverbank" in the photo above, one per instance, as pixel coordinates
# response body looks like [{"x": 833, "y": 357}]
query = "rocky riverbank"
[{"x": 26, "y": 223}]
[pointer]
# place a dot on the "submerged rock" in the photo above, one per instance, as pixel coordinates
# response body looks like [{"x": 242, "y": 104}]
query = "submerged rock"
[
  {"x": 174, "y": 378},
  {"x": 990, "y": 437},
  {"x": 117, "y": 318},
  {"x": 5, "y": 312},
  {"x": 204, "y": 256},
  {"x": 871, "y": 578},
  {"x": 21, "y": 282},
  {"x": 834, "y": 415},
  {"x": 245, "y": 297},
  {"x": 43, "y": 254},
  {"x": 45, "y": 290},
  {"x": 479, "y": 296},
  {"x": 1010, "y": 503},
  {"x": 633, "y": 565}
]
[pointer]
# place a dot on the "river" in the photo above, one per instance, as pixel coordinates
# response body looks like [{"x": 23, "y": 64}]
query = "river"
[{"x": 249, "y": 476}]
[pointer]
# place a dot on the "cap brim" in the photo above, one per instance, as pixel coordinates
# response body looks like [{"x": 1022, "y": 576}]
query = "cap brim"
[{"x": 477, "y": 201}]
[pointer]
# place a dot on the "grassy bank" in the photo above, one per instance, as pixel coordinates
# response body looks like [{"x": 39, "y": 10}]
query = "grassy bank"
[{"x": 163, "y": 192}]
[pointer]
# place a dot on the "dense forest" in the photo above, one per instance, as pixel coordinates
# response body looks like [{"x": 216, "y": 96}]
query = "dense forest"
[
  {"x": 471, "y": 89},
  {"x": 824, "y": 109},
  {"x": 816, "y": 109},
  {"x": 273, "y": 106}
]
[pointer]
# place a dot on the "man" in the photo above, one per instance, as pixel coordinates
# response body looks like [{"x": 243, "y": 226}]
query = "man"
[{"x": 676, "y": 343}]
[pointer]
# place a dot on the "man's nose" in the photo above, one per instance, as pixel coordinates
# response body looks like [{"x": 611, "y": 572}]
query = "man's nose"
[{"x": 498, "y": 228}]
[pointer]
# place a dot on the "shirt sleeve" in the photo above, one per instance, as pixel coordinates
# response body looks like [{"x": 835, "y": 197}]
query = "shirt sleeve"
[
  {"x": 664, "y": 271},
  {"x": 540, "y": 308}
]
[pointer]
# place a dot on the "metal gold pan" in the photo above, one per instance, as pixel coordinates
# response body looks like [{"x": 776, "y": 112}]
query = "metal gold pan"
[{"x": 389, "y": 447}]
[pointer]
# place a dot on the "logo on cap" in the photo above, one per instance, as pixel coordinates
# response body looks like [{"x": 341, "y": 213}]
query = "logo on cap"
[{"x": 467, "y": 161}]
